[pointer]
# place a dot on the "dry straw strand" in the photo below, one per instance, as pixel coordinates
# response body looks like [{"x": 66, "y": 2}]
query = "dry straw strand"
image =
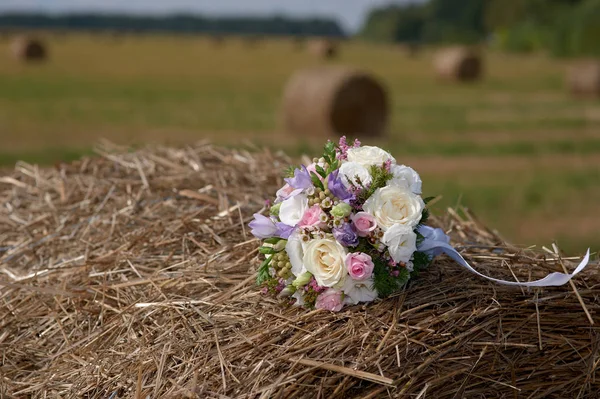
[{"x": 128, "y": 274}]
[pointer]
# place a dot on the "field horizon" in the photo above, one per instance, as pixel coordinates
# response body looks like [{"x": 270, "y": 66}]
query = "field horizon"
[{"x": 515, "y": 147}]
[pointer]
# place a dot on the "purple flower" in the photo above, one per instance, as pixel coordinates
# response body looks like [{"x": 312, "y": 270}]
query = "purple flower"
[
  {"x": 265, "y": 227},
  {"x": 301, "y": 178},
  {"x": 337, "y": 188},
  {"x": 346, "y": 235},
  {"x": 343, "y": 149},
  {"x": 283, "y": 230},
  {"x": 262, "y": 226}
]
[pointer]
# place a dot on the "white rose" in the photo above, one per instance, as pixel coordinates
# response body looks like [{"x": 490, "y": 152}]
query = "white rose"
[
  {"x": 292, "y": 209},
  {"x": 369, "y": 155},
  {"x": 401, "y": 241},
  {"x": 392, "y": 205},
  {"x": 295, "y": 250},
  {"x": 406, "y": 176},
  {"x": 358, "y": 291},
  {"x": 349, "y": 171},
  {"x": 324, "y": 258}
]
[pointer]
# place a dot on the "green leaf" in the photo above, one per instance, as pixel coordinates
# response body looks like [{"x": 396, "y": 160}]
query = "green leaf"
[
  {"x": 424, "y": 216},
  {"x": 333, "y": 166},
  {"x": 289, "y": 171},
  {"x": 420, "y": 261},
  {"x": 428, "y": 199},
  {"x": 266, "y": 250},
  {"x": 316, "y": 181},
  {"x": 263, "y": 272},
  {"x": 273, "y": 240},
  {"x": 321, "y": 171}
]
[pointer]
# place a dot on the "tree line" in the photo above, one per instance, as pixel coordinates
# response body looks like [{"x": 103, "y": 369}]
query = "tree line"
[
  {"x": 561, "y": 27},
  {"x": 175, "y": 23}
]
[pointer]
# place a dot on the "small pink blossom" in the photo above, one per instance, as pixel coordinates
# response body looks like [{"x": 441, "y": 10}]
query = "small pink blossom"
[
  {"x": 359, "y": 265},
  {"x": 343, "y": 149},
  {"x": 330, "y": 300},
  {"x": 364, "y": 223},
  {"x": 312, "y": 217},
  {"x": 387, "y": 165}
]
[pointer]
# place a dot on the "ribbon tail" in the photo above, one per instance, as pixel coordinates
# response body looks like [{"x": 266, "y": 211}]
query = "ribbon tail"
[{"x": 553, "y": 279}]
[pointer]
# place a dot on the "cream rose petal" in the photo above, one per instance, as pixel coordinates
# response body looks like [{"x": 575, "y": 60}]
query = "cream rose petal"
[
  {"x": 350, "y": 170},
  {"x": 401, "y": 241},
  {"x": 369, "y": 155},
  {"x": 325, "y": 259},
  {"x": 359, "y": 291},
  {"x": 392, "y": 205},
  {"x": 407, "y": 176},
  {"x": 292, "y": 209},
  {"x": 295, "y": 251}
]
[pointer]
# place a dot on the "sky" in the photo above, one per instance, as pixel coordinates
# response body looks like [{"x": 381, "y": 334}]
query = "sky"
[{"x": 350, "y": 13}]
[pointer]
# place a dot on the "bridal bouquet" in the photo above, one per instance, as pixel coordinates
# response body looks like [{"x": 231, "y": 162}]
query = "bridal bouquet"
[
  {"x": 344, "y": 229},
  {"x": 350, "y": 227}
]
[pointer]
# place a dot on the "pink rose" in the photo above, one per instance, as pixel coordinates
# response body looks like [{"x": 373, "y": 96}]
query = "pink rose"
[
  {"x": 360, "y": 265},
  {"x": 313, "y": 216},
  {"x": 364, "y": 223},
  {"x": 330, "y": 300}
]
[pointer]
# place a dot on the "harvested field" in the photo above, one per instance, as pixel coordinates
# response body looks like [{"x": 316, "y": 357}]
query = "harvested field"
[{"x": 131, "y": 275}]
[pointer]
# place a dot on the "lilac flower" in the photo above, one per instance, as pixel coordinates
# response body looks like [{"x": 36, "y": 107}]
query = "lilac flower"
[
  {"x": 264, "y": 227},
  {"x": 337, "y": 188},
  {"x": 301, "y": 179},
  {"x": 343, "y": 146},
  {"x": 346, "y": 235},
  {"x": 387, "y": 165},
  {"x": 283, "y": 230}
]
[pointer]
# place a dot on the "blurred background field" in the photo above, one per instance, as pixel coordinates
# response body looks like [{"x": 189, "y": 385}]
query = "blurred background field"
[{"x": 514, "y": 147}]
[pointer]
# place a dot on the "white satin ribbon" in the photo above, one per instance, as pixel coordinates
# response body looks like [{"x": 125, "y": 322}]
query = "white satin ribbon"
[{"x": 437, "y": 242}]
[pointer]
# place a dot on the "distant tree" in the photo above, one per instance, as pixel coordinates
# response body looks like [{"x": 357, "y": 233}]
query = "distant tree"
[
  {"x": 176, "y": 23},
  {"x": 395, "y": 24},
  {"x": 455, "y": 20}
]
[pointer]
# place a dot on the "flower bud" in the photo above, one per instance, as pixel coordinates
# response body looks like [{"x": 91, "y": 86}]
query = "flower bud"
[
  {"x": 287, "y": 291},
  {"x": 302, "y": 280},
  {"x": 341, "y": 210},
  {"x": 280, "y": 246}
]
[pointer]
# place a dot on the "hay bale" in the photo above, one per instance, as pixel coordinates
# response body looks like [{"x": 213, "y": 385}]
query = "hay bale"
[
  {"x": 332, "y": 101},
  {"x": 583, "y": 78},
  {"x": 460, "y": 63},
  {"x": 28, "y": 49},
  {"x": 134, "y": 277},
  {"x": 323, "y": 48}
]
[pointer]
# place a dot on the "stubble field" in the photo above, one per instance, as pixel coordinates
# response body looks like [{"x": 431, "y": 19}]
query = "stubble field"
[{"x": 514, "y": 148}]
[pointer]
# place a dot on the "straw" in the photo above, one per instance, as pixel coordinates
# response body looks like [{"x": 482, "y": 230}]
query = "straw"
[{"x": 130, "y": 274}]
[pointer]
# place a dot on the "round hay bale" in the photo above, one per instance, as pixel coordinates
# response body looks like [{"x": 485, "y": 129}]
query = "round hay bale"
[
  {"x": 462, "y": 64},
  {"x": 333, "y": 101},
  {"x": 323, "y": 48},
  {"x": 28, "y": 49},
  {"x": 583, "y": 78}
]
